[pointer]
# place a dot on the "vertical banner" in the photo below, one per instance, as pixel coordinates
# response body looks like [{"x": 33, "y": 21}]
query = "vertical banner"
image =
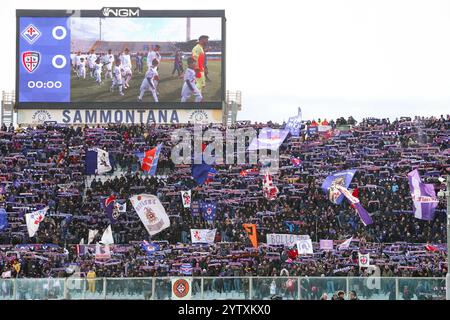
[
  {"x": 186, "y": 198},
  {"x": 363, "y": 260},
  {"x": 250, "y": 228}
]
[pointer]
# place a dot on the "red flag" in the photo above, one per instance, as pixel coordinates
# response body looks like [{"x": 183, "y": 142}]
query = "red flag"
[
  {"x": 151, "y": 159},
  {"x": 355, "y": 193},
  {"x": 110, "y": 199},
  {"x": 431, "y": 248},
  {"x": 292, "y": 254}
]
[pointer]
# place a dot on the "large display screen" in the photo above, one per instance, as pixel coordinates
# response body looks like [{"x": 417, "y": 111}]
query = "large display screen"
[{"x": 119, "y": 56}]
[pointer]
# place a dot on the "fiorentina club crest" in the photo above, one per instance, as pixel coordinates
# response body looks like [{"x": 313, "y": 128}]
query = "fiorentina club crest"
[
  {"x": 181, "y": 288},
  {"x": 31, "y": 60},
  {"x": 31, "y": 34}
]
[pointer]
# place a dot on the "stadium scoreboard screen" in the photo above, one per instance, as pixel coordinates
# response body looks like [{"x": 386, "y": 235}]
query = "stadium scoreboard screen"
[{"x": 120, "y": 65}]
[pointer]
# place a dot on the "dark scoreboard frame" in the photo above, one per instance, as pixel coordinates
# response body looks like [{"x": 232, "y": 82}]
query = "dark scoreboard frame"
[{"x": 123, "y": 105}]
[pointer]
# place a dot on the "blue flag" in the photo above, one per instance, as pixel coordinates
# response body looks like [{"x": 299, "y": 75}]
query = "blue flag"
[
  {"x": 294, "y": 124},
  {"x": 3, "y": 219},
  {"x": 110, "y": 209},
  {"x": 208, "y": 211},
  {"x": 149, "y": 248},
  {"x": 98, "y": 161},
  {"x": 343, "y": 179},
  {"x": 202, "y": 172}
]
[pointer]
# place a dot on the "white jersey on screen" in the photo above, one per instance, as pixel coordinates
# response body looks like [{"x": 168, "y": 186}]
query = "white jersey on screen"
[
  {"x": 91, "y": 60},
  {"x": 151, "y": 56},
  {"x": 186, "y": 92},
  {"x": 148, "y": 84},
  {"x": 98, "y": 72},
  {"x": 125, "y": 61}
]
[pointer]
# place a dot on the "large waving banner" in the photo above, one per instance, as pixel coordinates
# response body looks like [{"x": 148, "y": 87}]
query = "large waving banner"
[
  {"x": 203, "y": 235},
  {"x": 330, "y": 184},
  {"x": 277, "y": 239},
  {"x": 151, "y": 212}
]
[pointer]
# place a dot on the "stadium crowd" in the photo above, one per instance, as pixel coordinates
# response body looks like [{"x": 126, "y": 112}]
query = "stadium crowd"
[{"x": 44, "y": 166}]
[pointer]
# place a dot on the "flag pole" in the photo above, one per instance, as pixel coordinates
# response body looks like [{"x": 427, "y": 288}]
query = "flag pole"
[{"x": 447, "y": 282}]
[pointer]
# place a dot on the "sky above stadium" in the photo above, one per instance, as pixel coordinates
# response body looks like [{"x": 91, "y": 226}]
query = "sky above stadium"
[
  {"x": 144, "y": 29},
  {"x": 380, "y": 58}
]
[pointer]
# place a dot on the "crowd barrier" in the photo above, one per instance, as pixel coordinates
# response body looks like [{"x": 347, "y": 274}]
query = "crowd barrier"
[{"x": 220, "y": 288}]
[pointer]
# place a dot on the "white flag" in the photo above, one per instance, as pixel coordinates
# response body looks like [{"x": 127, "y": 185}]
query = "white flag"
[
  {"x": 103, "y": 164},
  {"x": 6, "y": 274},
  {"x": 107, "y": 237},
  {"x": 151, "y": 212},
  {"x": 34, "y": 219},
  {"x": 345, "y": 245},
  {"x": 364, "y": 260},
  {"x": 120, "y": 207},
  {"x": 203, "y": 235},
  {"x": 304, "y": 246},
  {"x": 186, "y": 198},
  {"x": 181, "y": 288},
  {"x": 91, "y": 236}
]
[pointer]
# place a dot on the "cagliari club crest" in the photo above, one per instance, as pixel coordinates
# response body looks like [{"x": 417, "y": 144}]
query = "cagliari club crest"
[{"x": 31, "y": 60}]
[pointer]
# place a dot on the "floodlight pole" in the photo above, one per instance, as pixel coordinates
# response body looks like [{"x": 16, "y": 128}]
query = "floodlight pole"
[{"x": 447, "y": 282}]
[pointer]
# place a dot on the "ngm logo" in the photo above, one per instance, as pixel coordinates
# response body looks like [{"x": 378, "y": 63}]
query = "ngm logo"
[{"x": 121, "y": 12}]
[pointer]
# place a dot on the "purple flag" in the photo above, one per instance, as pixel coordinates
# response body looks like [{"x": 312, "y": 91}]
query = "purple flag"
[
  {"x": 326, "y": 244},
  {"x": 363, "y": 214},
  {"x": 423, "y": 195}
]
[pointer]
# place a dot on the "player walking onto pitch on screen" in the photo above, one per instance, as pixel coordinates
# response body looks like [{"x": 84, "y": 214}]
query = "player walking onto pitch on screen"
[
  {"x": 91, "y": 62},
  {"x": 152, "y": 55},
  {"x": 125, "y": 60},
  {"x": 117, "y": 78},
  {"x": 189, "y": 85},
  {"x": 149, "y": 81},
  {"x": 178, "y": 63},
  {"x": 139, "y": 63},
  {"x": 109, "y": 62},
  {"x": 198, "y": 53},
  {"x": 98, "y": 71},
  {"x": 81, "y": 68}
]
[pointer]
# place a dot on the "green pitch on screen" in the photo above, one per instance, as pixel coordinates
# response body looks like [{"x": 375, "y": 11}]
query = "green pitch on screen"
[{"x": 87, "y": 90}]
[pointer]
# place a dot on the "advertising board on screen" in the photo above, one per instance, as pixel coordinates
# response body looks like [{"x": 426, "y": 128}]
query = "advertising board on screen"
[{"x": 120, "y": 58}]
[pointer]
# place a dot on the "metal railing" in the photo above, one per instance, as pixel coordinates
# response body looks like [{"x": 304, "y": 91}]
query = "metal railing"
[{"x": 212, "y": 288}]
